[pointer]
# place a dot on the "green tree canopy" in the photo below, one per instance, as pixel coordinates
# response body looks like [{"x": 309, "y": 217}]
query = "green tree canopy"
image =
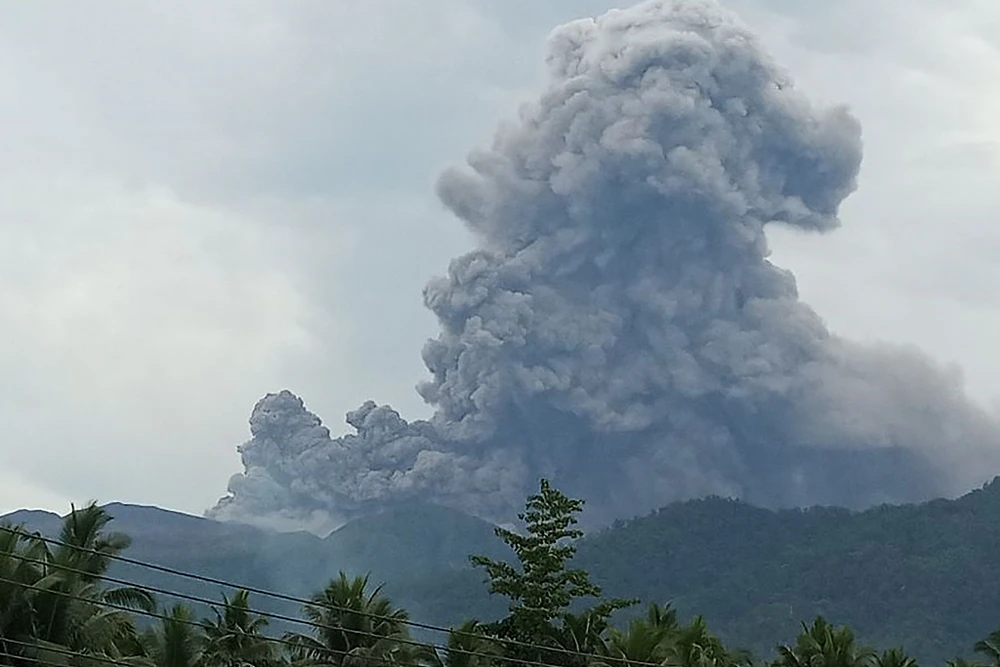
[{"x": 542, "y": 587}]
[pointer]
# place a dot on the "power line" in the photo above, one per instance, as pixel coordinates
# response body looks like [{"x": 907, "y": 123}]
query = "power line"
[
  {"x": 157, "y": 590},
  {"x": 46, "y": 663},
  {"x": 295, "y": 645},
  {"x": 61, "y": 650},
  {"x": 193, "y": 623},
  {"x": 39, "y": 661},
  {"x": 200, "y": 625},
  {"x": 311, "y": 603}
]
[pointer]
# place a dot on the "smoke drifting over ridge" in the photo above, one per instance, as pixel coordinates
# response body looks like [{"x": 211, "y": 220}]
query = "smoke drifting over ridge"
[{"x": 619, "y": 328}]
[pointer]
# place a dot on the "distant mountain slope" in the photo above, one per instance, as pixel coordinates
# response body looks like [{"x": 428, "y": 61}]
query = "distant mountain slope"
[
  {"x": 420, "y": 539},
  {"x": 44, "y": 522},
  {"x": 919, "y": 575},
  {"x": 923, "y": 576},
  {"x": 397, "y": 546},
  {"x": 225, "y": 551}
]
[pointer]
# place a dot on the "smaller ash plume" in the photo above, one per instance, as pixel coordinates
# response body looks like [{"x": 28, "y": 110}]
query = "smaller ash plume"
[{"x": 298, "y": 478}]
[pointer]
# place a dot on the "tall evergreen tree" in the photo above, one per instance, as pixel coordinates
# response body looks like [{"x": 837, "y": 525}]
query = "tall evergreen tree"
[{"x": 542, "y": 587}]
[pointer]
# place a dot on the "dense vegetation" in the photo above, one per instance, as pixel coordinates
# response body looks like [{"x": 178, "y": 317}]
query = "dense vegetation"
[
  {"x": 57, "y": 607},
  {"x": 917, "y": 575},
  {"x": 921, "y": 575}
]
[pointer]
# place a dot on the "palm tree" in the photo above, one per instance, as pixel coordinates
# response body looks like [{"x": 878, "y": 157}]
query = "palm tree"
[
  {"x": 19, "y": 571},
  {"x": 990, "y": 647},
  {"x": 85, "y": 545},
  {"x": 470, "y": 646},
  {"x": 894, "y": 657},
  {"x": 175, "y": 641},
  {"x": 53, "y": 599},
  {"x": 70, "y": 606},
  {"x": 824, "y": 645},
  {"x": 354, "y": 625},
  {"x": 647, "y": 640},
  {"x": 694, "y": 646},
  {"x": 659, "y": 639},
  {"x": 580, "y": 637},
  {"x": 961, "y": 662},
  {"x": 235, "y": 638}
]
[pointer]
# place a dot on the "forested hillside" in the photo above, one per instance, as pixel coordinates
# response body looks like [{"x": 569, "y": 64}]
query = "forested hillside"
[{"x": 918, "y": 576}]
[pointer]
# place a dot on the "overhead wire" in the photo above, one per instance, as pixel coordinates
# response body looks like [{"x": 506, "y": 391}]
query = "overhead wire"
[
  {"x": 40, "y": 661},
  {"x": 47, "y": 663},
  {"x": 157, "y": 590},
  {"x": 59, "y": 650},
  {"x": 313, "y": 603},
  {"x": 284, "y": 641}
]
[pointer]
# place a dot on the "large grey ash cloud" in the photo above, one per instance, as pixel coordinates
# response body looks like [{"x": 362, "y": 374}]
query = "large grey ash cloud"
[{"x": 619, "y": 327}]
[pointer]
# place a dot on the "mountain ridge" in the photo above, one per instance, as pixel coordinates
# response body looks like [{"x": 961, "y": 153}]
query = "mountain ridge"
[{"x": 919, "y": 575}]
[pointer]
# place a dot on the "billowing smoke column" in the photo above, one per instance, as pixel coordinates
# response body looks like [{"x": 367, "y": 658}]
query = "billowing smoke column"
[{"x": 619, "y": 328}]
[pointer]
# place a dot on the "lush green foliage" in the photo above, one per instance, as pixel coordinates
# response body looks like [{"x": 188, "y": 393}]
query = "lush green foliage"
[
  {"x": 55, "y": 608},
  {"x": 541, "y": 587},
  {"x": 53, "y": 599},
  {"x": 919, "y": 575}
]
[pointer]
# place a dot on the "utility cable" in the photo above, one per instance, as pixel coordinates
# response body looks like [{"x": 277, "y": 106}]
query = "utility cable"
[
  {"x": 311, "y": 603},
  {"x": 293, "y": 644}
]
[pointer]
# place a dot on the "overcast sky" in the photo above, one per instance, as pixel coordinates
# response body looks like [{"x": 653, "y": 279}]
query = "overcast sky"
[{"x": 201, "y": 202}]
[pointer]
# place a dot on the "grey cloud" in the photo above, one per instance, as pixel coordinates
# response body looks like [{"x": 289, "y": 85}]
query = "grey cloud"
[
  {"x": 298, "y": 477},
  {"x": 619, "y": 327}
]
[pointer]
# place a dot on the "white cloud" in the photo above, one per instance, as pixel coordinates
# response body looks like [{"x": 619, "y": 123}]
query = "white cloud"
[{"x": 131, "y": 321}]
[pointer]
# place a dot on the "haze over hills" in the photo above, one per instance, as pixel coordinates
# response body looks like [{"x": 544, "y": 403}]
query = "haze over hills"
[
  {"x": 404, "y": 545},
  {"x": 431, "y": 538},
  {"x": 918, "y": 575}
]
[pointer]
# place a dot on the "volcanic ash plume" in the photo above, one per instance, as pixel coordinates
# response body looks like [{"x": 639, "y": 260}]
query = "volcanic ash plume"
[{"x": 619, "y": 328}]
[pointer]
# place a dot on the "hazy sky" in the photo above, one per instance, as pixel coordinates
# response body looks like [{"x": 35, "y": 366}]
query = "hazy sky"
[{"x": 204, "y": 202}]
